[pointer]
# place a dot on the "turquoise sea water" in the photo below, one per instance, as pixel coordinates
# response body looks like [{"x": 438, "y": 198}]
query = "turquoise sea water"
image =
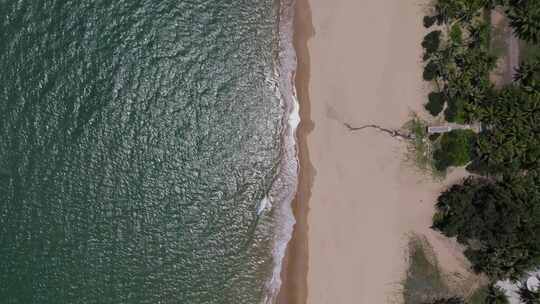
[{"x": 137, "y": 142}]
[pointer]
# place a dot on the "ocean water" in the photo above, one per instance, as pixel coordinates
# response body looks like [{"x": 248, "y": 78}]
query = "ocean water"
[{"x": 146, "y": 150}]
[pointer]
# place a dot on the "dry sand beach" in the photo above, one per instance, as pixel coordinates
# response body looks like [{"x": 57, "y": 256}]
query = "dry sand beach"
[{"x": 359, "y": 200}]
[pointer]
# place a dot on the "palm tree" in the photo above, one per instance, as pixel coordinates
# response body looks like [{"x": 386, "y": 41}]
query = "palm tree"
[
  {"x": 524, "y": 18},
  {"x": 527, "y": 74},
  {"x": 496, "y": 296},
  {"x": 451, "y": 11}
]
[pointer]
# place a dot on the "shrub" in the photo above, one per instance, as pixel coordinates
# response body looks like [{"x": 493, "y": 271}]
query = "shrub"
[
  {"x": 454, "y": 111},
  {"x": 431, "y": 42},
  {"x": 527, "y": 75},
  {"x": 524, "y": 18},
  {"x": 464, "y": 10},
  {"x": 429, "y": 21},
  {"x": 431, "y": 71},
  {"x": 479, "y": 166},
  {"x": 480, "y": 35},
  {"x": 435, "y": 104},
  {"x": 456, "y": 34},
  {"x": 434, "y": 136},
  {"x": 456, "y": 149},
  {"x": 498, "y": 221}
]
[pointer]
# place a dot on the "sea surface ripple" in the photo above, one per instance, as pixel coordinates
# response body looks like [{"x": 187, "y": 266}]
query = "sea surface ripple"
[{"x": 137, "y": 140}]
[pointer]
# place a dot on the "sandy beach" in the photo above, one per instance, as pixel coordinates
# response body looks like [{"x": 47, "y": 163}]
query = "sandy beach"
[{"x": 359, "y": 199}]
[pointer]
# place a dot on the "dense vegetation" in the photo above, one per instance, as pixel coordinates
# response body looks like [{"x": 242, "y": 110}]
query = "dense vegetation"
[
  {"x": 511, "y": 144},
  {"x": 456, "y": 149},
  {"x": 452, "y": 300},
  {"x": 495, "y": 295},
  {"x": 459, "y": 62},
  {"x": 524, "y": 17},
  {"x": 496, "y": 213},
  {"x": 499, "y": 220}
]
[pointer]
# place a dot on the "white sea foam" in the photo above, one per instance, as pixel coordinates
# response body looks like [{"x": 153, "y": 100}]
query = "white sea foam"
[
  {"x": 264, "y": 204},
  {"x": 285, "y": 185}
]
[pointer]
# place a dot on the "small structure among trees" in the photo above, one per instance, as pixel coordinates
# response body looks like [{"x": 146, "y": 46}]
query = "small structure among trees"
[{"x": 439, "y": 129}]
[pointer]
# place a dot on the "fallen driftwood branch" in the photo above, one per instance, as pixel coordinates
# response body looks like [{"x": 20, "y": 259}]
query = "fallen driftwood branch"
[{"x": 391, "y": 132}]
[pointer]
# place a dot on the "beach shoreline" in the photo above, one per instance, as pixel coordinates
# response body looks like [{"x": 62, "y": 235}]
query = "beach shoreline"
[
  {"x": 294, "y": 270},
  {"x": 358, "y": 199}
]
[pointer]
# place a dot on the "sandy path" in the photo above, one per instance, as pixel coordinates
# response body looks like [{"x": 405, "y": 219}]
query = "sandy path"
[
  {"x": 508, "y": 44},
  {"x": 363, "y": 199}
]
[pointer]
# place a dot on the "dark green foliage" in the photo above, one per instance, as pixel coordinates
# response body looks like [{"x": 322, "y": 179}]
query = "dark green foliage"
[
  {"x": 495, "y": 295},
  {"x": 434, "y": 137},
  {"x": 462, "y": 10},
  {"x": 429, "y": 21},
  {"x": 511, "y": 142},
  {"x": 431, "y": 42},
  {"x": 498, "y": 220},
  {"x": 524, "y": 18},
  {"x": 479, "y": 166},
  {"x": 528, "y": 296},
  {"x": 456, "y": 35},
  {"x": 452, "y": 300},
  {"x": 528, "y": 75},
  {"x": 461, "y": 66},
  {"x": 470, "y": 81},
  {"x": 480, "y": 35},
  {"x": 435, "y": 104},
  {"x": 529, "y": 51},
  {"x": 431, "y": 71},
  {"x": 462, "y": 71},
  {"x": 456, "y": 149},
  {"x": 455, "y": 111}
]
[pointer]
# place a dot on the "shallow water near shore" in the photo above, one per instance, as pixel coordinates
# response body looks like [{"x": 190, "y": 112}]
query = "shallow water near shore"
[{"x": 138, "y": 141}]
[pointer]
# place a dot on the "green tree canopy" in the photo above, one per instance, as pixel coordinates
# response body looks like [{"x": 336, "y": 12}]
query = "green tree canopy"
[
  {"x": 456, "y": 149},
  {"x": 496, "y": 218},
  {"x": 498, "y": 221},
  {"x": 528, "y": 75},
  {"x": 511, "y": 141},
  {"x": 524, "y": 16},
  {"x": 461, "y": 70},
  {"x": 431, "y": 71},
  {"x": 456, "y": 34},
  {"x": 495, "y": 295},
  {"x": 460, "y": 10},
  {"x": 455, "y": 112},
  {"x": 435, "y": 103},
  {"x": 431, "y": 42},
  {"x": 429, "y": 21}
]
